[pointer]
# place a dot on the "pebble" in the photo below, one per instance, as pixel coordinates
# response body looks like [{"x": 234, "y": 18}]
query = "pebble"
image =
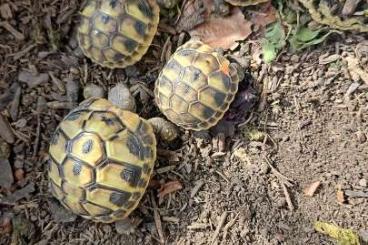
[
  {"x": 363, "y": 182},
  {"x": 93, "y": 90},
  {"x": 361, "y": 137}
]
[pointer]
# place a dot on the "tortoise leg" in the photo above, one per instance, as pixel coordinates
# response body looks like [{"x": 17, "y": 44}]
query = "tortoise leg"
[{"x": 127, "y": 226}]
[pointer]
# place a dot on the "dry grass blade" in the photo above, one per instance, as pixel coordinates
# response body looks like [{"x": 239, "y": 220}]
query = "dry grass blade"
[
  {"x": 157, "y": 218},
  {"x": 219, "y": 226}
]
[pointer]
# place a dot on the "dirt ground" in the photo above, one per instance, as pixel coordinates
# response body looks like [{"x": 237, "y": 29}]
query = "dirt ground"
[{"x": 312, "y": 123}]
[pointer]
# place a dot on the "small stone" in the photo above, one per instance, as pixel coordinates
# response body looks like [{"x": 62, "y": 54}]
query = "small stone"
[
  {"x": 361, "y": 137},
  {"x": 363, "y": 183},
  {"x": 93, "y": 90}
]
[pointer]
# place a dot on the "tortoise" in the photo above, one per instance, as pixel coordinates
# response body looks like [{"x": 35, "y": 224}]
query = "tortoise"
[
  {"x": 117, "y": 33},
  {"x": 101, "y": 160},
  {"x": 245, "y": 3},
  {"x": 196, "y": 86}
]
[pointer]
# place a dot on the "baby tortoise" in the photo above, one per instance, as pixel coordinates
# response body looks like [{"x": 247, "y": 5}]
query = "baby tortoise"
[
  {"x": 117, "y": 33},
  {"x": 101, "y": 160},
  {"x": 196, "y": 86}
]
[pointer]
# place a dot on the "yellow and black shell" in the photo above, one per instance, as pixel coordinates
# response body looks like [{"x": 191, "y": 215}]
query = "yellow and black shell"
[
  {"x": 244, "y": 3},
  {"x": 101, "y": 160},
  {"x": 117, "y": 33},
  {"x": 196, "y": 86}
]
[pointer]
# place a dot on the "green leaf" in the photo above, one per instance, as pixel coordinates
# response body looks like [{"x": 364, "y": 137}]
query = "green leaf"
[
  {"x": 306, "y": 37},
  {"x": 274, "y": 41},
  {"x": 269, "y": 51},
  {"x": 305, "y": 34}
]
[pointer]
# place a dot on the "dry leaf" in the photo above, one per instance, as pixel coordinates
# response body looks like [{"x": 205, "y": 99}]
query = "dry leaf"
[
  {"x": 222, "y": 32},
  {"x": 266, "y": 15},
  {"x": 311, "y": 189},
  {"x": 169, "y": 187},
  {"x": 355, "y": 69}
]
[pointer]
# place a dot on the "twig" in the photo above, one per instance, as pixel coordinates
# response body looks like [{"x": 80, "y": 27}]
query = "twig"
[
  {"x": 219, "y": 226},
  {"x": 157, "y": 220},
  {"x": 38, "y": 133},
  {"x": 283, "y": 178},
  {"x": 287, "y": 196},
  {"x": 229, "y": 225}
]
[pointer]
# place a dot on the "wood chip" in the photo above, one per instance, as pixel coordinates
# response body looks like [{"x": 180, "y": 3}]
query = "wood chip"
[
  {"x": 197, "y": 226},
  {"x": 6, "y": 174},
  {"x": 169, "y": 187},
  {"x": 311, "y": 189},
  {"x": 352, "y": 88},
  {"x": 350, "y": 7},
  {"x": 323, "y": 59},
  {"x": 8, "y": 95},
  {"x": 57, "y": 82},
  {"x": 351, "y": 193},
  {"x": 340, "y": 196},
  {"x": 171, "y": 156},
  {"x": 196, "y": 188},
  {"x": 14, "y": 106},
  {"x": 174, "y": 220},
  {"x": 18, "y": 195},
  {"x": 32, "y": 80},
  {"x": 5, "y": 11},
  {"x": 6, "y": 132},
  {"x": 18, "y": 35}
]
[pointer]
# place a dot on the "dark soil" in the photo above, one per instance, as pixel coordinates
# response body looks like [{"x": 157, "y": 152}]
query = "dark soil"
[{"x": 312, "y": 119}]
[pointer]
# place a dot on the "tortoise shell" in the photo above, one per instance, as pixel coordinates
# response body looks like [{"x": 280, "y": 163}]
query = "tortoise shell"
[
  {"x": 196, "y": 86},
  {"x": 245, "y": 3},
  {"x": 101, "y": 160},
  {"x": 117, "y": 33}
]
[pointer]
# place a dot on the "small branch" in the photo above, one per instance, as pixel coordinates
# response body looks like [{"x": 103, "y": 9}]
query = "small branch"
[{"x": 219, "y": 226}]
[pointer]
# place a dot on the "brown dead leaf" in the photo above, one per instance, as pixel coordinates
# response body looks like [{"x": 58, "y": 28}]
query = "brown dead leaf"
[
  {"x": 222, "y": 32},
  {"x": 169, "y": 187},
  {"x": 266, "y": 15},
  {"x": 311, "y": 189}
]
